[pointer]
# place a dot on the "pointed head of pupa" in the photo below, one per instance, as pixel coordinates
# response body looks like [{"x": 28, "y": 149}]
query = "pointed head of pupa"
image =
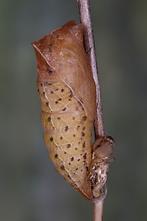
[{"x": 50, "y": 50}]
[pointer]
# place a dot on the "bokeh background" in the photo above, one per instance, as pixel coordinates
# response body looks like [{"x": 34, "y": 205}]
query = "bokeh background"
[{"x": 30, "y": 188}]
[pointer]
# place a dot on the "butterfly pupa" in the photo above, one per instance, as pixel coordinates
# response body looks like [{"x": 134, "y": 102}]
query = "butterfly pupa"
[{"x": 68, "y": 103}]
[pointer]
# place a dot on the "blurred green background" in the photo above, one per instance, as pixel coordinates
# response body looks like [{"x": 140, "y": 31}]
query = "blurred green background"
[{"x": 30, "y": 188}]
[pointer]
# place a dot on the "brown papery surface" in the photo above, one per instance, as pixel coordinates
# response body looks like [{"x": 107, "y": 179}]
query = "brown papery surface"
[
  {"x": 68, "y": 103},
  {"x": 61, "y": 55}
]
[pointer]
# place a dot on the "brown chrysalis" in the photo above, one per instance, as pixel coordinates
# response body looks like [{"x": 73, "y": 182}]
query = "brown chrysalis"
[{"x": 68, "y": 107}]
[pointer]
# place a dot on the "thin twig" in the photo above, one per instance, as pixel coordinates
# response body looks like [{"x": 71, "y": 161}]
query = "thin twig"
[
  {"x": 85, "y": 17},
  {"x": 98, "y": 210}
]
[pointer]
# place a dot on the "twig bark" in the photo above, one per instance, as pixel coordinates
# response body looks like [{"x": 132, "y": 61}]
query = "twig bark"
[
  {"x": 98, "y": 210},
  {"x": 85, "y": 17}
]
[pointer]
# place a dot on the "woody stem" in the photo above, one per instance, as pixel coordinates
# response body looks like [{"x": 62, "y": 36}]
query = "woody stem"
[
  {"x": 98, "y": 210},
  {"x": 85, "y": 17}
]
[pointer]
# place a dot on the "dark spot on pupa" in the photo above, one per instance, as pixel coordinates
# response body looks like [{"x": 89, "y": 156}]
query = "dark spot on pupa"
[
  {"x": 52, "y": 92},
  {"x": 69, "y": 163},
  {"x": 49, "y": 70},
  {"x": 84, "y": 144},
  {"x": 59, "y": 99},
  {"x": 73, "y": 118},
  {"x": 38, "y": 90},
  {"x": 83, "y": 134},
  {"x": 68, "y": 145},
  {"x": 98, "y": 145},
  {"x": 76, "y": 168},
  {"x": 43, "y": 93},
  {"x": 76, "y": 148},
  {"x": 83, "y": 128},
  {"x": 41, "y": 84},
  {"x": 78, "y": 127},
  {"x": 62, "y": 90},
  {"x": 61, "y": 138},
  {"x": 58, "y": 118},
  {"x": 78, "y": 160},
  {"x": 46, "y": 103},
  {"x": 69, "y": 99},
  {"x": 85, "y": 156},
  {"x": 49, "y": 119},
  {"x": 72, "y": 158},
  {"x": 81, "y": 170},
  {"x": 87, "y": 168},
  {"x": 84, "y": 118},
  {"x": 51, "y": 139},
  {"x": 65, "y": 152},
  {"x": 56, "y": 102},
  {"x": 56, "y": 89},
  {"x": 62, "y": 167},
  {"x": 66, "y": 128},
  {"x": 69, "y": 177},
  {"x": 74, "y": 135},
  {"x": 64, "y": 109},
  {"x": 56, "y": 155}
]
